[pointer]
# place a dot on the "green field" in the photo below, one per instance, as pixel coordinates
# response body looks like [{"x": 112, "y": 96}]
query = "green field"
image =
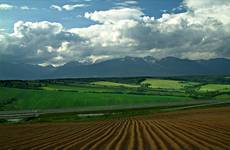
[
  {"x": 43, "y": 99},
  {"x": 114, "y": 84},
  {"x": 223, "y": 97},
  {"x": 215, "y": 87},
  {"x": 167, "y": 84},
  {"x": 75, "y": 88},
  {"x": 83, "y": 93}
]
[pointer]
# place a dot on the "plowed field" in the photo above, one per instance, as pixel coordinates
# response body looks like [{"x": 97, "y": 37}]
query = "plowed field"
[{"x": 190, "y": 129}]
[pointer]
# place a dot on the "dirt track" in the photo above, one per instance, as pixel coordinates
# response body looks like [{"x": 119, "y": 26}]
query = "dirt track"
[{"x": 191, "y": 129}]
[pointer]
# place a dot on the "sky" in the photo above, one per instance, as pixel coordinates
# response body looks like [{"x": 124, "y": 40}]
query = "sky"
[{"x": 56, "y": 32}]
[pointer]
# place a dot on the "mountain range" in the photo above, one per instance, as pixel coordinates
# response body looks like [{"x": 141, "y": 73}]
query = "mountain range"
[{"x": 119, "y": 67}]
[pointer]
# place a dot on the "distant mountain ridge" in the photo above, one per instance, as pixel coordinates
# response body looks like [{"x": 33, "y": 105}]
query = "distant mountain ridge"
[{"x": 120, "y": 67}]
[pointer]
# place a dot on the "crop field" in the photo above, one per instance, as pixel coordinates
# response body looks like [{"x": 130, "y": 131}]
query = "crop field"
[
  {"x": 189, "y": 129},
  {"x": 223, "y": 97},
  {"x": 167, "y": 84},
  {"x": 215, "y": 87},
  {"x": 116, "y": 113},
  {"x": 106, "y": 83},
  {"x": 79, "y": 93},
  {"x": 43, "y": 99}
]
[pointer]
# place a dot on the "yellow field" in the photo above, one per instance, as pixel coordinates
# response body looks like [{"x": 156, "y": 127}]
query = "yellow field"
[
  {"x": 215, "y": 87},
  {"x": 167, "y": 84},
  {"x": 114, "y": 84}
]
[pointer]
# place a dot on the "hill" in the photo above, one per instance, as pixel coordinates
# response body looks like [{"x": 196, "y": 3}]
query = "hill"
[{"x": 120, "y": 67}]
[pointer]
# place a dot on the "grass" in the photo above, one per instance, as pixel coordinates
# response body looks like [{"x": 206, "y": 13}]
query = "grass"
[
  {"x": 114, "y": 84},
  {"x": 55, "y": 94},
  {"x": 76, "y": 88},
  {"x": 73, "y": 116},
  {"x": 215, "y": 87},
  {"x": 223, "y": 97},
  {"x": 44, "y": 99},
  {"x": 167, "y": 84},
  {"x": 106, "y": 94}
]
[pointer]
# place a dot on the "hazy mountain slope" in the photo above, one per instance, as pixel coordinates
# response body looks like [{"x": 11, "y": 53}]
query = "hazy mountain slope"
[{"x": 121, "y": 67}]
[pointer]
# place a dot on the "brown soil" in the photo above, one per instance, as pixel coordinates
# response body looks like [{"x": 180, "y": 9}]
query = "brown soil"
[{"x": 190, "y": 129}]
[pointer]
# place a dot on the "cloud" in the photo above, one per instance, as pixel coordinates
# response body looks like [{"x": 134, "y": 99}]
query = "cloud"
[
  {"x": 39, "y": 42},
  {"x": 198, "y": 33},
  {"x": 95, "y": 58},
  {"x": 72, "y": 7},
  {"x": 68, "y": 7},
  {"x": 27, "y": 8},
  {"x": 197, "y": 4},
  {"x": 127, "y": 3},
  {"x": 56, "y": 7},
  {"x": 114, "y": 15},
  {"x": 9, "y": 7},
  {"x": 6, "y": 6},
  {"x": 199, "y": 55}
]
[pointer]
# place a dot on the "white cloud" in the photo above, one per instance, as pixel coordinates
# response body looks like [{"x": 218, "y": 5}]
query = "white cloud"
[
  {"x": 197, "y": 4},
  {"x": 6, "y": 6},
  {"x": 68, "y": 7},
  {"x": 131, "y": 2},
  {"x": 56, "y": 7},
  {"x": 199, "y": 55},
  {"x": 114, "y": 15},
  {"x": 127, "y": 3},
  {"x": 115, "y": 21},
  {"x": 200, "y": 32},
  {"x": 72, "y": 7},
  {"x": 24, "y": 7},
  {"x": 27, "y": 8},
  {"x": 203, "y": 31},
  {"x": 9, "y": 7},
  {"x": 39, "y": 42},
  {"x": 96, "y": 58},
  {"x": 101, "y": 37}
]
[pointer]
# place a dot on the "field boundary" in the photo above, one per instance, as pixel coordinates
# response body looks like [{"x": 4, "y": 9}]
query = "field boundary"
[{"x": 165, "y": 107}]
